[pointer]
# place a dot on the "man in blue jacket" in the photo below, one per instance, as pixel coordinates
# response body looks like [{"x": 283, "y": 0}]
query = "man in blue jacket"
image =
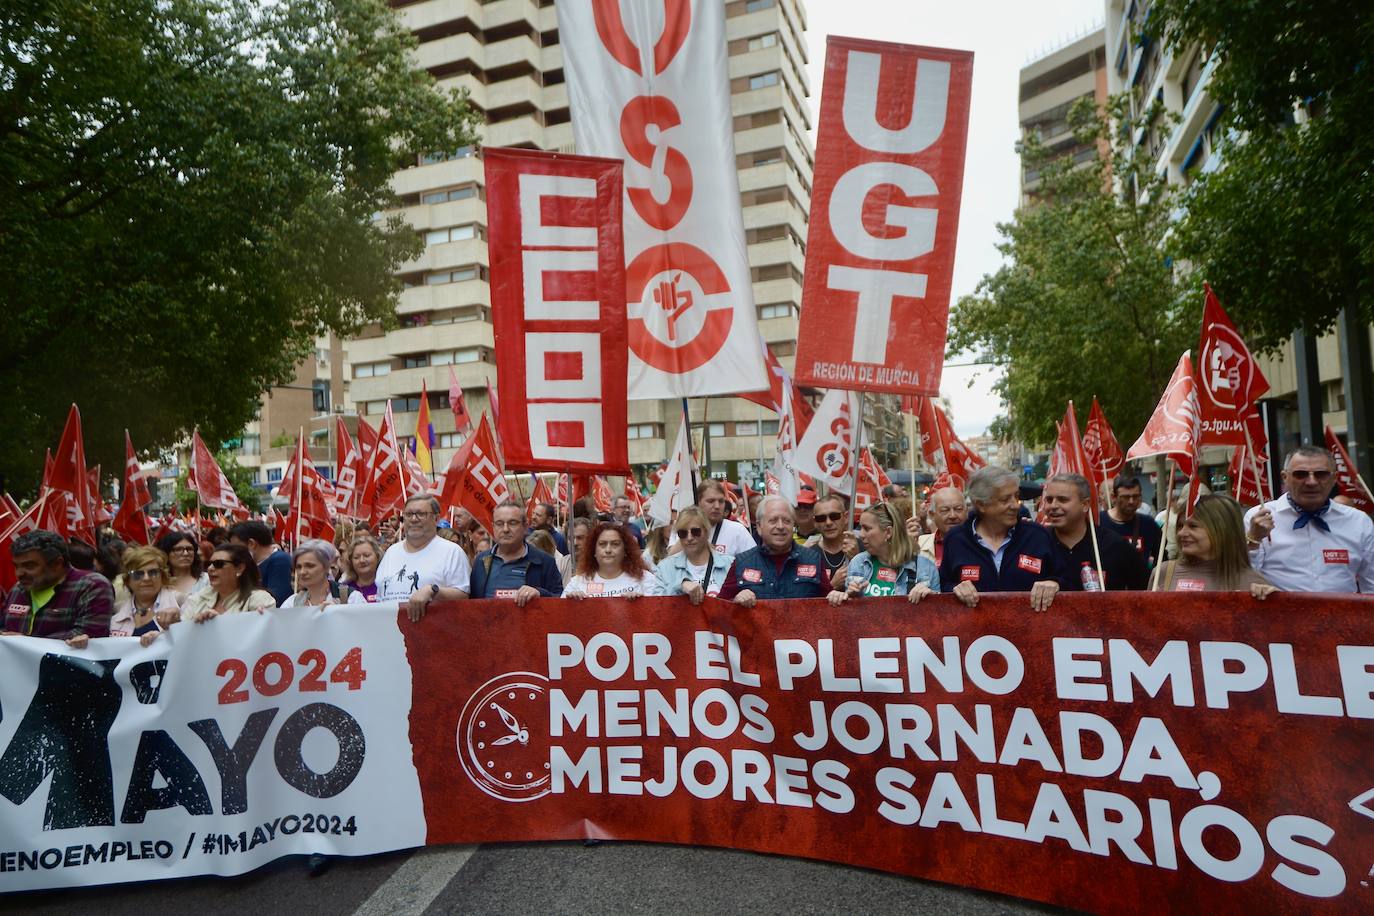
[
  {"x": 779, "y": 567},
  {"x": 996, "y": 550},
  {"x": 512, "y": 568}
]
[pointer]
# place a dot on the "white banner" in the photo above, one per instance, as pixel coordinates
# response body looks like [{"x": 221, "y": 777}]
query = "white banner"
[
  {"x": 216, "y": 749},
  {"x": 648, "y": 84},
  {"x": 826, "y": 451}
]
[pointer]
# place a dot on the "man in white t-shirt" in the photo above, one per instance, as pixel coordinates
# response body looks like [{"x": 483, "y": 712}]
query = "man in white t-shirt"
[
  {"x": 727, "y": 535},
  {"x": 422, "y": 566},
  {"x": 1305, "y": 542}
]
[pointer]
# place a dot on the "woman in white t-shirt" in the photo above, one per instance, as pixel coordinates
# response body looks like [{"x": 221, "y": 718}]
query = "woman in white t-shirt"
[{"x": 611, "y": 566}]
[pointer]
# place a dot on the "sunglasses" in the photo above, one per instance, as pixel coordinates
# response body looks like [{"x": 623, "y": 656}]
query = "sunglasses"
[
  {"x": 184, "y": 548},
  {"x": 138, "y": 575},
  {"x": 829, "y": 516},
  {"x": 1318, "y": 476},
  {"x": 220, "y": 564},
  {"x": 684, "y": 533}
]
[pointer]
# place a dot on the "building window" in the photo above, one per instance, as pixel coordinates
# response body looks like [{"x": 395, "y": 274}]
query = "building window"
[
  {"x": 759, "y": 42},
  {"x": 255, "y": 477},
  {"x": 472, "y": 355},
  {"x": 775, "y": 310},
  {"x": 439, "y": 197},
  {"x": 453, "y": 234},
  {"x": 319, "y": 395},
  {"x": 763, "y": 80},
  {"x": 415, "y": 320},
  {"x": 746, "y": 429},
  {"x": 415, "y": 361},
  {"x": 715, "y": 429},
  {"x": 374, "y": 408},
  {"x": 461, "y": 152},
  {"x": 274, "y": 475},
  {"x": 448, "y": 440},
  {"x": 770, "y": 427},
  {"x": 371, "y": 370},
  {"x": 643, "y": 431},
  {"x": 251, "y": 444},
  {"x": 753, "y": 6},
  {"x": 405, "y": 405},
  {"x": 452, "y": 276}
]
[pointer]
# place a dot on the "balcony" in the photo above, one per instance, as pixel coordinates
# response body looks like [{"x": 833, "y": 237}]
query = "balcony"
[
  {"x": 439, "y": 175},
  {"x": 443, "y": 296}
]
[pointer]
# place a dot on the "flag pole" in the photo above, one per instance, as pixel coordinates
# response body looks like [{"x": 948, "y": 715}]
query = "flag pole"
[
  {"x": 911, "y": 456},
  {"x": 1097, "y": 551},
  {"x": 1168, "y": 521},
  {"x": 691, "y": 465},
  {"x": 300, "y": 487},
  {"x": 1254, "y": 463},
  {"x": 858, "y": 450}
]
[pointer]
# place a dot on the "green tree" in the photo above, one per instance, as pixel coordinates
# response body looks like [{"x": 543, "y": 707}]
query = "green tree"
[
  {"x": 240, "y": 478},
  {"x": 1284, "y": 230},
  {"x": 1087, "y": 302},
  {"x": 190, "y": 191}
]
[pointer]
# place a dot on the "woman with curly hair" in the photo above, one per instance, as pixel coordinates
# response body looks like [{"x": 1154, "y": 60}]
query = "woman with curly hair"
[{"x": 611, "y": 566}]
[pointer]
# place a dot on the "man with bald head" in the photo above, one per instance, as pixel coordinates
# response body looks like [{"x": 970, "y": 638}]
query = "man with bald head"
[
  {"x": 949, "y": 510},
  {"x": 779, "y": 567}
]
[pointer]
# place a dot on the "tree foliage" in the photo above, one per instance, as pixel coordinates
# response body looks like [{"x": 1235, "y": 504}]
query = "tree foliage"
[
  {"x": 190, "y": 190},
  {"x": 1087, "y": 302},
  {"x": 1284, "y": 229}
]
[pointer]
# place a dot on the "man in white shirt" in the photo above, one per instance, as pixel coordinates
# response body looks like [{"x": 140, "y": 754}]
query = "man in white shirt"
[
  {"x": 727, "y": 535},
  {"x": 422, "y": 566},
  {"x": 1304, "y": 542}
]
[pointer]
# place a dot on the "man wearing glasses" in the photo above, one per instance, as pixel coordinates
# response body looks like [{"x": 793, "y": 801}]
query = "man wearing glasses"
[
  {"x": 512, "y": 568},
  {"x": 422, "y": 567},
  {"x": 1304, "y": 542}
]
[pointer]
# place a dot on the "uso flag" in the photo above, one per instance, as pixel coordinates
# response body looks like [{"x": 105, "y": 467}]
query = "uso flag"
[
  {"x": 558, "y": 310},
  {"x": 647, "y": 84},
  {"x": 884, "y": 214}
]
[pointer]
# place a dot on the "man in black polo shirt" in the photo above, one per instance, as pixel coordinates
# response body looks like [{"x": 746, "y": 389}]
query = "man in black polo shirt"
[
  {"x": 512, "y": 568},
  {"x": 1124, "y": 517},
  {"x": 1066, "y": 503}
]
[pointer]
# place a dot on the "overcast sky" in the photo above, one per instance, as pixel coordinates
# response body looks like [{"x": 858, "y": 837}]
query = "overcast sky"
[{"x": 1003, "y": 35}]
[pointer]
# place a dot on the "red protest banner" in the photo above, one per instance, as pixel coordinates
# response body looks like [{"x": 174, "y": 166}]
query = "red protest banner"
[
  {"x": 558, "y": 309},
  {"x": 1121, "y": 753},
  {"x": 884, "y": 215}
]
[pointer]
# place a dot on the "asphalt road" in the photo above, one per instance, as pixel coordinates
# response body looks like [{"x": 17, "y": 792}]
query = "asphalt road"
[{"x": 532, "y": 878}]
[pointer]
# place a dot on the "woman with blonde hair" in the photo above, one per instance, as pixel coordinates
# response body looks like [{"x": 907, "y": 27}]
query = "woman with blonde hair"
[
  {"x": 361, "y": 558},
  {"x": 1212, "y": 553},
  {"x": 150, "y": 601},
  {"x": 696, "y": 570},
  {"x": 889, "y": 564}
]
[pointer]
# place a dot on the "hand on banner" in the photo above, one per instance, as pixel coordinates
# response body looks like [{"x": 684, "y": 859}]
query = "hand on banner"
[
  {"x": 966, "y": 593},
  {"x": 746, "y": 598},
  {"x": 418, "y": 601},
  {"x": 919, "y": 591},
  {"x": 524, "y": 594},
  {"x": 167, "y": 617},
  {"x": 575, "y": 594},
  {"x": 1262, "y": 590},
  {"x": 694, "y": 591},
  {"x": 1260, "y": 527},
  {"x": 837, "y": 597},
  {"x": 79, "y": 641},
  {"x": 1042, "y": 595}
]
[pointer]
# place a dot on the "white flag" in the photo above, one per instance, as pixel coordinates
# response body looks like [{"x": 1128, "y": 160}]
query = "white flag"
[
  {"x": 784, "y": 459},
  {"x": 826, "y": 452},
  {"x": 675, "y": 486}
]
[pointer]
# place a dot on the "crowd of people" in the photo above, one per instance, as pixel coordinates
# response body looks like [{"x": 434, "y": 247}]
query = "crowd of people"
[{"x": 967, "y": 543}]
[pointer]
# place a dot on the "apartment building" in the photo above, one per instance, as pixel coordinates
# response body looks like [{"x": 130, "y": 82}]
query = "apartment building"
[
  {"x": 507, "y": 56},
  {"x": 1315, "y": 381},
  {"x": 1049, "y": 87}
]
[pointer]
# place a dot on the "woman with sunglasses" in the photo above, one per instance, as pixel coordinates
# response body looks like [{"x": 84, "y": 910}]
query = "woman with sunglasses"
[
  {"x": 834, "y": 539},
  {"x": 888, "y": 564},
  {"x": 696, "y": 570},
  {"x": 234, "y": 587},
  {"x": 185, "y": 567},
  {"x": 150, "y": 602},
  {"x": 611, "y": 566}
]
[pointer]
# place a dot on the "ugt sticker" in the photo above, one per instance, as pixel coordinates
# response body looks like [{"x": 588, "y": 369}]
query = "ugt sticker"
[
  {"x": 1029, "y": 564},
  {"x": 753, "y": 575},
  {"x": 970, "y": 573},
  {"x": 806, "y": 570},
  {"x": 1336, "y": 556}
]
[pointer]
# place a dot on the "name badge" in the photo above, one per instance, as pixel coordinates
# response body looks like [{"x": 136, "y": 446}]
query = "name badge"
[
  {"x": 887, "y": 575},
  {"x": 1029, "y": 564},
  {"x": 505, "y": 593},
  {"x": 17, "y": 609},
  {"x": 1336, "y": 556},
  {"x": 1191, "y": 585},
  {"x": 719, "y": 548},
  {"x": 595, "y": 588},
  {"x": 970, "y": 573},
  {"x": 806, "y": 570},
  {"x": 754, "y": 575}
]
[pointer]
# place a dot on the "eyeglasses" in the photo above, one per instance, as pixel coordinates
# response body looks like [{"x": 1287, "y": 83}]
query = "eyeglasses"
[
  {"x": 416, "y": 516},
  {"x": 220, "y": 564},
  {"x": 684, "y": 533},
  {"x": 1318, "y": 476},
  {"x": 829, "y": 516},
  {"x": 139, "y": 575},
  {"x": 184, "y": 548}
]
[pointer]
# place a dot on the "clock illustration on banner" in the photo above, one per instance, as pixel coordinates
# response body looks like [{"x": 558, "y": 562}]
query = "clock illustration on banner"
[{"x": 495, "y": 745}]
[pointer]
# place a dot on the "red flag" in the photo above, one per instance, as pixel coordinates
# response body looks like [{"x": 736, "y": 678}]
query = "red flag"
[
  {"x": 564, "y": 486},
  {"x": 1100, "y": 445},
  {"x": 417, "y": 481},
  {"x": 781, "y": 386},
  {"x": 1348, "y": 476},
  {"x": 347, "y": 470},
  {"x": 462, "y": 420},
  {"x": 1229, "y": 380},
  {"x": 941, "y": 447},
  {"x": 771, "y": 485},
  {"x": 657, "y": 474},
  {"x": 206, "y": 478},
  {"x": 16, "y": 525},
  {"x": 384, "y": 493},
  {"x": 870, "y": 481},
  {"x": 1070, "y": 457},
  {"x": 281, "y": 530},
  {"x": 1173, "y": 428},
  {"x": 540, "y": 493},
  {"x": 68, "y": 474},
  {"x": 309, "y": 493},
  {"x": 1241, "y": 471},
  {"x": 130, "y": 521},
  {"x": 100, "y": 512},
  {"x": 636, "y": 498},
  {"x": 474, "y": 480},
  {"x": 602, "y": 495},
  {"x": 495, "y": 407}
]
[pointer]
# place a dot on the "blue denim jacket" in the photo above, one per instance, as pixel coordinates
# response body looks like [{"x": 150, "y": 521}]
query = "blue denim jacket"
[
  {"x": 672, "y": 571},
  {"x": 917, "y": 569}
]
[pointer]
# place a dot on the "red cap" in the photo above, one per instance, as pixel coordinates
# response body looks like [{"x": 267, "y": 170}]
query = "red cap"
[{"x": 806, "y": 497}]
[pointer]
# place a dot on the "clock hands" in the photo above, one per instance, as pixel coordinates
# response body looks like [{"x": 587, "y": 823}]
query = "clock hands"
[{"x": 518, "y": 732}]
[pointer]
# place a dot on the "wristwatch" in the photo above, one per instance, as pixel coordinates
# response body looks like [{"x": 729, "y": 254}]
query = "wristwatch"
[{"x": 433, "y": 593}]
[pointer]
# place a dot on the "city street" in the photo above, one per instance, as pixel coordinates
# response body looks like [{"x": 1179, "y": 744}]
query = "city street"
[{"x": 534, "y": 878}]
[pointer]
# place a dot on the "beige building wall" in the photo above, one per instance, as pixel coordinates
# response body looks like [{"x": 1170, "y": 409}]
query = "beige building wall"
[
  {"x": 1049, "y": 86},
  {"x": 507, "y": 55}
]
